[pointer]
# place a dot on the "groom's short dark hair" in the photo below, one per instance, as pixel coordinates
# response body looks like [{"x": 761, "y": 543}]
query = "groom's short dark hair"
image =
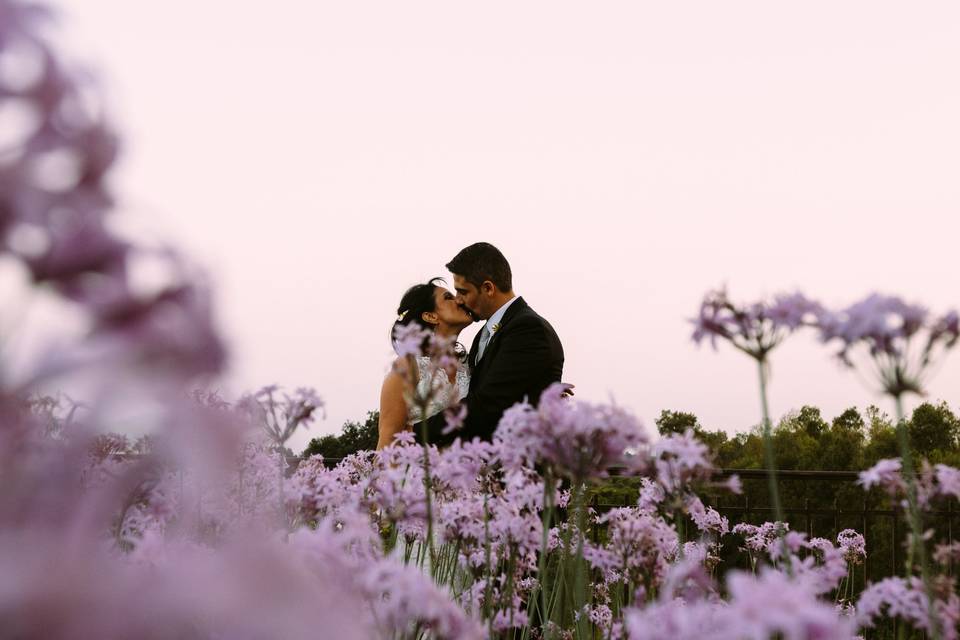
[{"x": 482, "y": 261}]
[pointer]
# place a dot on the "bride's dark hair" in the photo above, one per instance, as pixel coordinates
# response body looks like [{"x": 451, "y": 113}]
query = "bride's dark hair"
[{"x": 417, "y": 301}]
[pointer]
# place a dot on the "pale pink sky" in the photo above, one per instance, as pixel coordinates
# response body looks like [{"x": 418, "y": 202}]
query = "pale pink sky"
[{"x": 321, "y": 157}]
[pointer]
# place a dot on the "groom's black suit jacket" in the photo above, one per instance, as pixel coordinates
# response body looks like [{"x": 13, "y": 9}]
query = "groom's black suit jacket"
[{"x": 521, "y": 359}]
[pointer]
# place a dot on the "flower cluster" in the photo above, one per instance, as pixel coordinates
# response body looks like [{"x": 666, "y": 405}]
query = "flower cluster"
[
  {"x": 579, "y": 440},
  {"x": 853, "y": 545},
  {"x": 756, "y": 328},
  {"x": 903, "y": 340},
  {"x": 933, "y": 482},
  {"x": 906, "y": 599}
]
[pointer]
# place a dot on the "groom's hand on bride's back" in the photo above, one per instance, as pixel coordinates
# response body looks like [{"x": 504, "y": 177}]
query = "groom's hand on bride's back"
[{"x": 568, "y": 389}]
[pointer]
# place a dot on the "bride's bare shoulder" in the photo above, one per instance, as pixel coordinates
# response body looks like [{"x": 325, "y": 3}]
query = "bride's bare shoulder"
[{"x": 402, "y": 368}]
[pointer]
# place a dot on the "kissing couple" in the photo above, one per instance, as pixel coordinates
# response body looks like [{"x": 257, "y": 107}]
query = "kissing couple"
[{"x": 514, "y": 357}]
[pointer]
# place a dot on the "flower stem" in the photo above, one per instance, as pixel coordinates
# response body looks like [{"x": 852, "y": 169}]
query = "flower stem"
[
  {"x": 769, "y": 456},
  {"x": 548, "y": 494},
  {"x": 917, "y": 549},
  {"x": 428, "y": 490}
]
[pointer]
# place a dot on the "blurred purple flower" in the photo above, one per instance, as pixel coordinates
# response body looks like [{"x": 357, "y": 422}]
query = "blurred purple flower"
[
  {"x": 408, "y": 339},
  {"x": 906, "y": 599},
  {"x": 579, "y": 440},
  {"x": 680, "y": 460},
  {"x": 640, "y": 546},
  {"x": 948, "y": 480},
  {"x": 281, "y": 416},
  {"x": 885, "y": 474},
  {"x": 707, "y": 519},
  {"x": 768, "y": 605},
  {"x": 754, "y": 329},
  {"x": 889, "y": 329},
  {"x": 455, "y": 418}
]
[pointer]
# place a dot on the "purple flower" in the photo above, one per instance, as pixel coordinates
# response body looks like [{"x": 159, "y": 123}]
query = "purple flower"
[
  {"x": 891, "y": 331},
  {"x": 948, "y": 480},
  {"x": 707, "y": 519},
  {"x": 761, "y": 607},
  {"x": 947, "y": 553},
  {"x": 579, "y": 440},
  {"x": 681, "y": 460},
  {"x": 772, "y": 604},
  {"x": 639, "y": 545},
  {"x": 408, "y": 339},
  {"x": 734, "y": 485},
  {"x": 754, "y": 329},
  {"x": 455, "y": 418},
  {"x": 853, "y": 545},
  {"x": 404, "y": 599},
  {"x": 650, "y": 496},
  {"x": 760, "y": 539},
  {"x": 886, "y": 474},
  {"x": 906, "y": 599},
  {"x": 281, "y": 416}
]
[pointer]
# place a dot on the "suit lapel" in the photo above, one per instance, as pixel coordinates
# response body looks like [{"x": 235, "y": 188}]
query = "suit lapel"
[{"x": 515, "y": 308}]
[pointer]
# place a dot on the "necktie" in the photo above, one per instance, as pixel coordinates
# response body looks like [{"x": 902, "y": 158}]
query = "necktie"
[{"x": 484, "y": 339}]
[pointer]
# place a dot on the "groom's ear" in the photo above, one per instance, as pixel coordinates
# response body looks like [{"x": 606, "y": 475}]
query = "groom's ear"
[{"x": 488, "y": 288}]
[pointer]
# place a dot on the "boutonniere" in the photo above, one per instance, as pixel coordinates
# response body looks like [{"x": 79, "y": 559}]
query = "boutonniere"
[{"x": 494, "y": 328}]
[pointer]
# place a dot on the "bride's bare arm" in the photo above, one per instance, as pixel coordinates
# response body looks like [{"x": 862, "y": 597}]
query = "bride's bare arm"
[{"x": 393, "y": 408}]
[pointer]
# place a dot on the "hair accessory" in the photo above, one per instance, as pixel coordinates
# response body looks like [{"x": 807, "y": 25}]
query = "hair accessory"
[{"x": 403, "y": 315}]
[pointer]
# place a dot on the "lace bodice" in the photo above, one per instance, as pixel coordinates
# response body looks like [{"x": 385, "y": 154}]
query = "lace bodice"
[{"x": 444, "y": 393}]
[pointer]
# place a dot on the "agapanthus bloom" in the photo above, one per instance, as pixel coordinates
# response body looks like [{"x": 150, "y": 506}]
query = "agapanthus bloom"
[
  {"x": 759, "y": 539},
  {"x": 707, "y": 519},
  {"x": 822, "y": 570},
  {"x": 681, "y": 460},
  {"x": 948, "y": 480},
  {"x": 281, "y": 416},
  {"x": 885, "y": 473},
  {"x": 577, "y": 439},
  {"x": 902, "y": 339},
  {"x": 408, "y": 339},
  {"x": 405, "y": 599},
  {"x": 906, "y": 598},
  {"x": 853, "y": 545},
  {"x": 760, "y": 607},
  {"x": 639, "y": 545},
  {"x": 754, "y": 329}
]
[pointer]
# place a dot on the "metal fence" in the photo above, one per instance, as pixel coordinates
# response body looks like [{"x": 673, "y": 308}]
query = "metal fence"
[{"x": 882, "y": 522}]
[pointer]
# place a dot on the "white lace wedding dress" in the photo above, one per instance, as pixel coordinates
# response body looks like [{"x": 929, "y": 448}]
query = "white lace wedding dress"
[{"x": 434, "y": 383}]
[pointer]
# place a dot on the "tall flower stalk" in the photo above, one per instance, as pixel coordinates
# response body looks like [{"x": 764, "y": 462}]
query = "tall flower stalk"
[
  {"x": 900, "y": 344},
  {"x": 280, "y": 415},
  {"x": 415, "y": 345},
  {"x": 579, "y": 442},
  {"x": 755, "y": 330}
]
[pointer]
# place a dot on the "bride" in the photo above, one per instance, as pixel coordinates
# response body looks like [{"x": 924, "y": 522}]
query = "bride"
[{"x": 434, "y": 308}]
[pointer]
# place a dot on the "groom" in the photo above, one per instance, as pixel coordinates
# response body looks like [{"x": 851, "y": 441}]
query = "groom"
[{"x": 514, "y": 357}]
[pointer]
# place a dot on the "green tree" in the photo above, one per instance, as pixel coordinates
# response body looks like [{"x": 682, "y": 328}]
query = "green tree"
[
  {"x": 881, "y": 438},
  {"x": 797, "y": 439},
  {"x": 849, "y": 420},
  {"x": 354, "y": 437},
  {"x": 840, "y": 445},
  {"x": 932, "y": 429},
  {"x": 811, "y": 422},
  {"x": 676, "y": 422},
  {"x": 679, "y": 421}
]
